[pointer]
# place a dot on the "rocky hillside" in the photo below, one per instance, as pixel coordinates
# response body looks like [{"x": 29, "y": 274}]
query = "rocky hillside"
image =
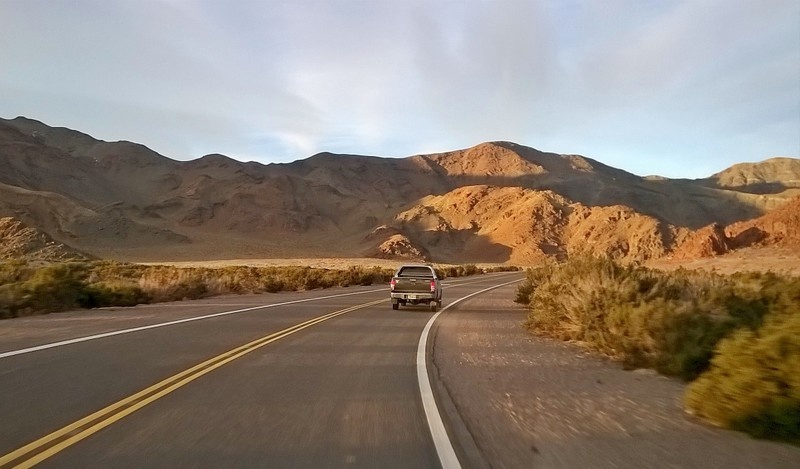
[
  {"x": 779, "y": 227},
  {"x": 483, "y": 223},
  {"x": 495, "y": 202},
  {"x": 18, "y": 241},
  {"x": 771, "y": 176}
]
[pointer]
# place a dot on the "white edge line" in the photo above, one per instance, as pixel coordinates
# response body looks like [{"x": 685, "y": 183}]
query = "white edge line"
[
  {"x": 170, "y": 323},
  {"x": 444, "y": 447}
]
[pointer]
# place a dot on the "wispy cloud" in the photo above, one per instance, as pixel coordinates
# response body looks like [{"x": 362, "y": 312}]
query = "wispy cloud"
[{"x": 679, "y": 88}]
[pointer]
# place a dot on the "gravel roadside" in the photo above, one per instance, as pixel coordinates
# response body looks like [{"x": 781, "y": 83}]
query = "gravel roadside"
[{"x": 533, "y": 402}]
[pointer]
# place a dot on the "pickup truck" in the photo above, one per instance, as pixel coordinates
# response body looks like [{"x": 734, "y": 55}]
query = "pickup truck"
[{"x": 416, "y": 284}]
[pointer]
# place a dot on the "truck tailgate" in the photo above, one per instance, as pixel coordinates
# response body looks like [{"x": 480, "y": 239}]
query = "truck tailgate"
[{"x": 413, "y": 284}]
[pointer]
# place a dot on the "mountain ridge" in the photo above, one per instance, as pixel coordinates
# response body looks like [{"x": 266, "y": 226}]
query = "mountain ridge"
[{"x": 327, "y": 204}]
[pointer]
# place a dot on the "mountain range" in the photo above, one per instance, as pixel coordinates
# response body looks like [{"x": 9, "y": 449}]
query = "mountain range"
[{"x": 497, "y": 202}]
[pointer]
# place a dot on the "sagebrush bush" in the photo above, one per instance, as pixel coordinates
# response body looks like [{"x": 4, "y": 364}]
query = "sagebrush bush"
[
  {"x": 754, "y": 381},
  {"x": 55, "y": 286},
  {"x": 115, "y": 293},
  {"x": 533, "y": 278},
  {"x": 648, "y": 318},
  {"x": 745, "y": 328}
]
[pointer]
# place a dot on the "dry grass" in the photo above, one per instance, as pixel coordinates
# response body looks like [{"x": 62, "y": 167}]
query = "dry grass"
[{"x": 28, "y": 288}]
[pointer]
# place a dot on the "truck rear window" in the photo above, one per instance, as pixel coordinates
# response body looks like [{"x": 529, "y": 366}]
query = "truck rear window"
[{"x": 415, "y": 272}]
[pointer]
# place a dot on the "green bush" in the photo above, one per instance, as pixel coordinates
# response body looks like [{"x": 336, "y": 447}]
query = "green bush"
[
  {"x": 54, "y": 287},
  {"x": 534, "y": 278},
  {"x": 524, "y": 291},
  {"x": 754, "y": 381},
  {"x": 686, "y": 342},
  {"x": 114, "y": 294}
]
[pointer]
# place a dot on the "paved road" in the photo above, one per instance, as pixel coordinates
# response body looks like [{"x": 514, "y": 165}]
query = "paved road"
[
  {"x": 329, "y": 379},
  {"x": 341, "y": 392}
]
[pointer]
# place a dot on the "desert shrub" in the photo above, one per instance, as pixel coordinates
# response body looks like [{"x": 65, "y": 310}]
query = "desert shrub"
[
  {"x": 739, "y": 334},
  {"x": 271, "y": 284},
  {"x": 190, "y": 289},
  {"x": 55, "y": 287},
  {"x": 533, "y": 279},
  {"x": 524, "y": 291},
  {"x": 451, "y": 271},
  {"x": 502, "y": 268},
  {"x": 362, "y": 276},
  {"x": 10, "y": 298},
  {"x": 685, "y": 344},
  {"x": 456, "y": 271},
  {"x": 114, "y": 294},
  {"x": 163, "y": 283},
  {"x": 647, "y": 318},
  {"x": 14, "y": 271},
  {"x": 28, "y": 289},
  {"x": 754, "y": 384}
]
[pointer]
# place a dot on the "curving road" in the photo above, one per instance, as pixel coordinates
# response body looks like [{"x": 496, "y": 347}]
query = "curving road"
[
  {"x": 311, "y": 379},
  {"x": 335, "y": 378}
]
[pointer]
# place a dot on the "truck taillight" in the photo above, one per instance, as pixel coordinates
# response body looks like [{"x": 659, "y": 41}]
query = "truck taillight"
[
  {"x": 392, "y": 284},
  {"x": 433, "y": 285}
]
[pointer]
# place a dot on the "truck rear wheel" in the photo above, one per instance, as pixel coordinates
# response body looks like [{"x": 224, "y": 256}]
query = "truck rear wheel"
[
  {"x": 395, "y": 305},
  {"x": 434, "y": 306}
]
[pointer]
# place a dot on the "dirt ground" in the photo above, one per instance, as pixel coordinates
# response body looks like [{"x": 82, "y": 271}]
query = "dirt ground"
[{"x": 761, "y": 259}]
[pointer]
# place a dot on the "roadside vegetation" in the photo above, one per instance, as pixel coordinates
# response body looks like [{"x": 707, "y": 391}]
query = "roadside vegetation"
[
  {"x": 28, "y": 288},
  {"x": 735, "y": 338}
]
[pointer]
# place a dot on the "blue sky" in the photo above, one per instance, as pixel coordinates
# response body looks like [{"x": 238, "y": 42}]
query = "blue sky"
[{"x": 679, "y": 88}]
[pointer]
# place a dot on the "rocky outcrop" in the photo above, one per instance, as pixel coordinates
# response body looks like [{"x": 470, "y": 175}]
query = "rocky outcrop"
[
  {"x": 779, "y": 227},
  {"x": 706, "y": 242},
  {"x": 18, "y": 241}
]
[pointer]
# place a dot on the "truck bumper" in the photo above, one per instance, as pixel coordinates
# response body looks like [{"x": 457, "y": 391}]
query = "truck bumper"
[{"x": 413, "y": 297}]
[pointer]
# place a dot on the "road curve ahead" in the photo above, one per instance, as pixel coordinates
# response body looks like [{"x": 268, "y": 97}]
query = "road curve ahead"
[{"x": 310, "y": 379}]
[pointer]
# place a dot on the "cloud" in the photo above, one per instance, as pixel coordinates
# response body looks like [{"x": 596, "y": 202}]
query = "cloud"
[
  {"x": 490, "y": 72},
  {"x": 654, "y": 87}
]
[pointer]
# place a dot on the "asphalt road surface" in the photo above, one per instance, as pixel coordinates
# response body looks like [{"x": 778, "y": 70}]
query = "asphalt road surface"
[
  {"x": 335, "y": 378},
  {"x": 325, "y": 378}
]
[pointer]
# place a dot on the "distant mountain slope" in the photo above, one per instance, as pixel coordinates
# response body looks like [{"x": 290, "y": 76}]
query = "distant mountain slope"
[
  {"x": 770, "y": 176},
  {"x": 122, "y": 200}
]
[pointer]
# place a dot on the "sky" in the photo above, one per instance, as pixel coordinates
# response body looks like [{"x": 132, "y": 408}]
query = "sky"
[{"x": 681, "y": 88}]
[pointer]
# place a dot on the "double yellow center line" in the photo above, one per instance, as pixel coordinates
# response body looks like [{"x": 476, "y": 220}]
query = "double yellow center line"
[{"x": 45, "y": 447}]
